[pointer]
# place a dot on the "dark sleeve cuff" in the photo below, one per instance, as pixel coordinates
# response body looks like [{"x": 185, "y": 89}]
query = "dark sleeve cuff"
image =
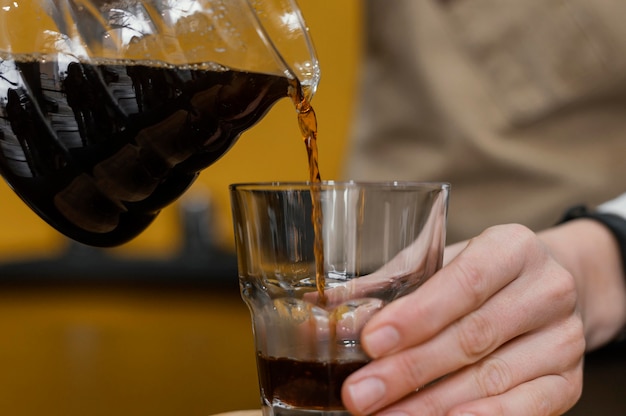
[{"x": 615, "y": 224}]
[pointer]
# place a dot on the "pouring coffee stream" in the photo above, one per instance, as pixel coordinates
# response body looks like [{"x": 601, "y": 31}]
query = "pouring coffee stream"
[
  {"x": 307, "y": 120},
  {"x": 98, "y": 141}
]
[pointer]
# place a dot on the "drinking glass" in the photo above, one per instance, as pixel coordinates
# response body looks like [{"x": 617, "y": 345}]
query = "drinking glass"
[
  {"x": 316, "y": 261},
  {"x": 109, "y": 109}
]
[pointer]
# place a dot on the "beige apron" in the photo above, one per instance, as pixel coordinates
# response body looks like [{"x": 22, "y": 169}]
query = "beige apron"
[{"x": 520, "y": 105}]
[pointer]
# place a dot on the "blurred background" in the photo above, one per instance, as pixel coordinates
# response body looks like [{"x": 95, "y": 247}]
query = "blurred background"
[{"x": 157, "y": 326}]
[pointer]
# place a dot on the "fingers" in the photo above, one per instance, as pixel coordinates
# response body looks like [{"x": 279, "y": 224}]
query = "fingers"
[
  {"x": 511, "y": 381},
  {"x": 511, "y": 311},
  {"x": 545, "y": 396},
  {"x": 461, "y": 287}
]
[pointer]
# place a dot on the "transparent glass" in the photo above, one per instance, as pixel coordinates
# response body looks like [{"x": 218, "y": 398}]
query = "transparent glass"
[
  {"x": 381, "y": 241},
  {"x": 111, "y": 108}
]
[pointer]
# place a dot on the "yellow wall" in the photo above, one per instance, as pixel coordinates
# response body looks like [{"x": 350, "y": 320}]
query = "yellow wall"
[
  {"x": 272, "y": 150},
  {"x": 118, "y": 350}
]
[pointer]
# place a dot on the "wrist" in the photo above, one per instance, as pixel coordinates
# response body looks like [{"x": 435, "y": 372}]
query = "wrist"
[
  {"x": 614, "y": 223},
  {"x": 590, "y": 252}
]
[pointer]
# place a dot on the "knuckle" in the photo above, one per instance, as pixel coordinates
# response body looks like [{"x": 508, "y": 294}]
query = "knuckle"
[
  {"x": 576, "y": 328},
  {"x": 540, "y": 404},
  {"x": 520, "y": 240},
  {"x": 493, "y": 377},
  {"x": 542, "y": 401},
  {"x": 430, "y": 403},
  {"x": 573, "y": 340},
  {"x": 565, "y": 286},
  {"x": 476, "y": 336},
  {"x": 411, "y": 372},
  {"x": 570, "y": 390},
  {"x": 514, "y": 232},
  {"x": 576, "y": 385},
  {"x": 472, "y": 282}
]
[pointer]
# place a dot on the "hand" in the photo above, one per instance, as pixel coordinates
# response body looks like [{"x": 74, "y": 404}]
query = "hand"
[{"x": 497, "y": 331}]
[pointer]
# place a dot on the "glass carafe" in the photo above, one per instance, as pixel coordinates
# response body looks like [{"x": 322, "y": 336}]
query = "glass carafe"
[{"x": 109, "y": 109}]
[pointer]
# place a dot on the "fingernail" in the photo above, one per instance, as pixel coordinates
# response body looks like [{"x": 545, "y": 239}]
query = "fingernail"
[
  {"x": 381, "y": 341},
  {"x": 366, "y": 393}
]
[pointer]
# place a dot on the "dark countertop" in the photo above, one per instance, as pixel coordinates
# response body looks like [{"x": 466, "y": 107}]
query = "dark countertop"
[{"x": 199, "y": 261}]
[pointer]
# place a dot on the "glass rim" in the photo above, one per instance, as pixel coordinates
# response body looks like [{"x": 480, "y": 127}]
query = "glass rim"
[{"x": 294, "y": 185}]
